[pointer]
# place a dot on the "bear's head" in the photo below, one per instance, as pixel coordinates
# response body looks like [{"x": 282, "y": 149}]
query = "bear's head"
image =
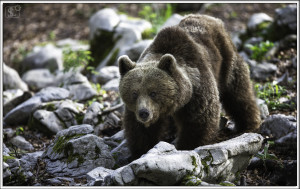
[{"x": 153, "y": 89}]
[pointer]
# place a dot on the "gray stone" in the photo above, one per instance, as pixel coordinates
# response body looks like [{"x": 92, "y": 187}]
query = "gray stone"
[
  {"x": 28, "y": 161},
  {"x": 294, "y": 62},
  {"x": 78, "y": 85},
  {"x": 119, "y": 136},
  {"x": 162, "y": 166},
  {"x": 68, "y": 112},
  {"x": 73, "y": 44},
  {"x": 12, "y": 80},
  {"x": 6, "y": 171},
  {"x": 251, "y": 41},
  {"x": 21, "y": 113},
  {"x": 46, "y": 122},
  {"x": 288, "y": 141},
  {"x": 11, "y": 94},
  {"x": 65, "y": 79},
  {"x": 278, "y": 125},
  {"x": 263, "y": 71},
  {"x": 13, "y": 163},
  {"x": 224, "y": 160},
  {"x": 21, "y": 143},
  {"x": 257, "y": 19},
  {"x": 244, "y": 55},
  {"x": 115, "y": 140},
  {"x": 287, "y": 16},
  {"x": 107, "y": 73},
  {"x": 5, "y": 150},
  {"x": 124, "y": 31},
  {"x": 251, "y": 63},
  {"x": 121, "y": 154},
  {"x": 53, "y": 93},
  {"x": 48, "y": 57},
  {"x": 263, "y": 108},
  {"x": 127, "y": 36},
  {"x": 112, "y": 85},
  {"x": 61, "y": 181},
  {"x": 75, "y": 153},
  {"x": 91, "y": 116},
  {"x": 236, "y": 40},
  {"x": 76, "y": 130},
  {"x": 82, "y": 91},
  {"x": 16, "y": 101},
  {"x": 172, "y": 21},
  {"x": 110, "y": 126},
  {"x": 134, "y": 51},
  {"x": 38, "y": 78},
  {"x": 9, "y": 132},
  {"x": 104, "y": 19},
  {"x": 96, "y": 176}
]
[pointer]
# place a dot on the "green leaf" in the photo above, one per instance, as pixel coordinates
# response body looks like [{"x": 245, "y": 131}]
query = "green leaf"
[{"x": 271, "y": 157}]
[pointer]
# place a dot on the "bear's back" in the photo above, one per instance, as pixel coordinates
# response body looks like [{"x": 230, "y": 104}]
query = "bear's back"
[{"x": 197, "y": 39}]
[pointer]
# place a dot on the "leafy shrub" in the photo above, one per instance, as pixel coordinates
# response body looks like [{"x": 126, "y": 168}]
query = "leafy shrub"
[
  {"x": 259, "y": 51},
  {"x": 155, "y": 17},
  {"x": 271, "y": 94},
  {"x": 75, "y": 59}
]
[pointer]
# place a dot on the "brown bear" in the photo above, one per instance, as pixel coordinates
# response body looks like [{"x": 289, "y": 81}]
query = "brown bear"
[{"x": 184, "y": 75}]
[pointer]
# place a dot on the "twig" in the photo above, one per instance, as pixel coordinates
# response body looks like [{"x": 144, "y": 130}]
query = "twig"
[{"x": 112, "y": 108}]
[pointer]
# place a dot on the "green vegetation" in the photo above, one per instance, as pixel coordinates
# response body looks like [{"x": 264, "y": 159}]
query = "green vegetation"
[
  {"x": 60, "y": 144},
  {"x": 5, "y": 158},
  {"x": 155, "y": 17},
  {"x": 99, "y": 97},
  {"x": 52, "y": 36},
  {"x": 194, "y": 163},
  {"x": 259, "y": 51},
  {"x": 271, "y": 94},
  {"x": 265, "y": 155},
  {"x": 50, "y": 107},
  {"x": 204, "y": 161},
  {"x": 75, "y": 59},
  {"x": 191, "y": 180},
  {"x": 226, "y": 184},
  {"x": 19, "y": 130}
]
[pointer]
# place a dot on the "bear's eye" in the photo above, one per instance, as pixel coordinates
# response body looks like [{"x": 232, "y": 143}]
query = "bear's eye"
[
  {"x": 152, "y": 94},
  {"x": 134, "y": 95}
]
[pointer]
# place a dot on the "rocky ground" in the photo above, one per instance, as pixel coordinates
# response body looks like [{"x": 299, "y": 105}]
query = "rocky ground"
[{"x": 62, "y": 123}]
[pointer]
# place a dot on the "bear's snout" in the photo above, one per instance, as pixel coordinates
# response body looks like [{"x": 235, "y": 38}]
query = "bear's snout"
[{"x": 144, "y": 114}]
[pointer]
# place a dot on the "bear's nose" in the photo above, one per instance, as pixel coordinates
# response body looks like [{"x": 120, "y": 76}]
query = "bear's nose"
[{"x": 144, "y": 114}]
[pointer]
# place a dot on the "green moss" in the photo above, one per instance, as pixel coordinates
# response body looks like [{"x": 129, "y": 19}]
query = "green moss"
[
  {"x": 79, "y": 118},
  {"x": 97, "y": 150},
  {"x": 226, "y": 184},
  {"x": 50, "y": 107},
  {"x": 61, "y": 143},
  {"x": 204, "y": 161},
  {"x": 62, "y": 146},
  {"x": 5, "y": 158},
  {"x": 113, "y": 57},
  {"x": 101, "y": 46},
  {"x": 72, "y": 157},
  {"x": 191, "y": 180},
  {"x": 194, "y": 163},
  {"x": 237, "y": 177},
  {"x": 148, "y": 33},
  {"x": 263, "y": 26}
]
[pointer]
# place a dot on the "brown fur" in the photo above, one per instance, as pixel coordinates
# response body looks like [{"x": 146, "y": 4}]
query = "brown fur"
[{"x": 189, "y": 69}]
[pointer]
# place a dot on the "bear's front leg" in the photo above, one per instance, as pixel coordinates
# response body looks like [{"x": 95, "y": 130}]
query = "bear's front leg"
[
  {"x": 198, "y": 123},
  {"x": 140, "y": 139}
]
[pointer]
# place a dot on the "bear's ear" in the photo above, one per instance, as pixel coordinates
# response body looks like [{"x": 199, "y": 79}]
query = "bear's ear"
[
  {"x": 167, "y": 63},
  {"x": 125, "y": 64}
]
